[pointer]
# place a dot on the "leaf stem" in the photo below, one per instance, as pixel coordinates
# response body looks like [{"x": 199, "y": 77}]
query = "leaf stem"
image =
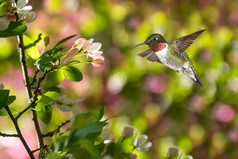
[
  {"x": 19, "y": 132},
  {"x": 51, "y": 133}
]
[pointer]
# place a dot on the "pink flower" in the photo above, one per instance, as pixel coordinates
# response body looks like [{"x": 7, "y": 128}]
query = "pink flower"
[
  {"x": 91, "y": 50},
  {"x": 79, "y": 43},
  {"x": 98, "y": 60},
  {"x": 224, "y": 113}
]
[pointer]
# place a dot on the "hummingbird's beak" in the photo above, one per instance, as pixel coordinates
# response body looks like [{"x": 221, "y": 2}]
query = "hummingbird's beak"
[{"x": 138, "y": 45}]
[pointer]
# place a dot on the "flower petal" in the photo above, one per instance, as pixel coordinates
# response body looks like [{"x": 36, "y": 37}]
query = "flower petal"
[
  {"x": 4, "y": 23},
  {"x": 93, "y": 47},
  {"x": 145, "y": 147},
  {"x": 142, "y": 140},
  {"x": 21, "y": 3},
  {"x": 24, "y": 10},
  {"x": 79, "y": 43},
  {"x": 29, "y": 17}
]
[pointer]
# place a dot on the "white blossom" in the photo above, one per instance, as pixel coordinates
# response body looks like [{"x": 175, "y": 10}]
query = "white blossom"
[
  {"x": 21, "y": 6},
  {"x": 4, "y": 23},
  {"x": 24, "y": 10},
  {"x": 106, "y": 136},
  {"x": 141, "y": 144}
]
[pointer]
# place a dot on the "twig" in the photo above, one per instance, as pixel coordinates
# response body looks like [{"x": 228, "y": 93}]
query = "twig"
[
  {"x": 19, "y": 132},
  {"x": 22, "y": 112},
  {"x": 51, "y": 133},
  {"x": 32, "y": 105},
  {"x": 34, "y": 43},
  {"x": 34, "y": 78},
  {"x": 8, "y": 135},
  {"x": 33, "y": 151}
]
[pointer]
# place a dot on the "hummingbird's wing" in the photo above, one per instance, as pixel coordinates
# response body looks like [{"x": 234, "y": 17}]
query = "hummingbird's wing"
[
  {"x": 184, "y": 42},
  {"x": 152, "y": 57},
  {"x": 145, "y": 53}
]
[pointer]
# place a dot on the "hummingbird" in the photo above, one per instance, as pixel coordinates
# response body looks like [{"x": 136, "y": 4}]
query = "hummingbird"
[{"x": 172, "y": 54}]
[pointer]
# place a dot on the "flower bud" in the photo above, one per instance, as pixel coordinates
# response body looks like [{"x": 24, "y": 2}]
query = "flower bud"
[
  {"x": 98, "y": 60},
  {"x": 128, "y": 131},
  {"x": 107, "y": 157},
  {"x": 189, "y": 157},
  {"x": 47, "y": 40},
  {"x": 1, "y": 86},
  {"x": 173, "y": 152},
  {"x": 106, "y": 136},
  {"x": 10, "y": 17},
  {"x": 133, "y": 156}
]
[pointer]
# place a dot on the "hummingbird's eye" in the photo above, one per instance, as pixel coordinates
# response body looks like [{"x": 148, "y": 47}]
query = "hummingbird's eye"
[{"x": 154, "y": 39}]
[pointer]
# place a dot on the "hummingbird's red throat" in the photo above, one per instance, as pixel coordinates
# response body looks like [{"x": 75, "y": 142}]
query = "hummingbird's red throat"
[{"x": 158, "y": 46}]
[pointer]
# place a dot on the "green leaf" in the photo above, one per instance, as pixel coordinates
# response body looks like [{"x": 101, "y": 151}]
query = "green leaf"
[
  {"x": 4, "y": 97},
  {"x": 45, "y": 99},
  {"x": 3, "y": 112},
  {"x": 72, "y": 73},
  {"x": 31, "y": 51},
  {"x": 52, "y": 95},
  {"x": 74, "y": 62},
  {"x": 54, "y": 78},
  {"x": 14, "y": 28},
  {"x": 2, "y": 3},
  {"x": 11, "y": 99},
  {"x": 80, "y": 153},
  {"x": 87, "y": 117},
  {"x": 90, "y": 147},
  {"x": 43, "y": 62},
  {"x": 101, "y": 113},
  {"x": 64, "y": 40},
  {"x": 45, "y": 114},
  {"x": 42, "y": 102},
  {"x": 53, "y": 155},
  {"x": 91, "y": 129}
]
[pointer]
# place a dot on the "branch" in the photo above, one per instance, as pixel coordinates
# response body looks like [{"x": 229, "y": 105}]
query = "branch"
[
  {"x": 19, "y": 132},
  {"x": 32, "y": 105},
  {"x": 34, "y": 43},
  {"x": 33, "y": 151},
  {"x": 34, "y": 78},
  {"x": 28, "y": 86},
  {"x": 51, "y": 133},
  {"x": 8, "y": 135},
  {"x": 22, "y": 112}
]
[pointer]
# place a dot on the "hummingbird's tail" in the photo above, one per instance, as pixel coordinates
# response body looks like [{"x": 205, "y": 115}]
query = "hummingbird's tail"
[{"x": 197, "y": 81}]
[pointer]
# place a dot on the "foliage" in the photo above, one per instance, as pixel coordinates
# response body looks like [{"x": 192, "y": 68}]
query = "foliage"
[{"x": 178, "y": 117}]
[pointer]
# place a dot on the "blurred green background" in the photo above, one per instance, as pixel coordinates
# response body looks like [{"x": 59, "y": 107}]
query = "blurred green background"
[{"x": 157, "y": 101}]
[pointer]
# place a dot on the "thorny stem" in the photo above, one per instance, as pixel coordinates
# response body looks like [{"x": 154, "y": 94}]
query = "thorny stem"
[
  {"x": 19, "y": 132},
  {"x": 51, "y": 133}
]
